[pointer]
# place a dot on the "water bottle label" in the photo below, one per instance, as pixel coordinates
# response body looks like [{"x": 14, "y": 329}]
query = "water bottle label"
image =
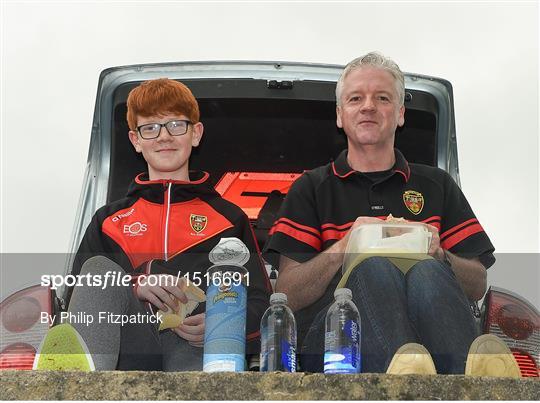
[
  {"x": 288, "y": 356},
  {"x": 344, "y": 358}
]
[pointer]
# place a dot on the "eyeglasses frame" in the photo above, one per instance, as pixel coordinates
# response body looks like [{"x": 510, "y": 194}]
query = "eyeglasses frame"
[{"x": 164, "y": 125}]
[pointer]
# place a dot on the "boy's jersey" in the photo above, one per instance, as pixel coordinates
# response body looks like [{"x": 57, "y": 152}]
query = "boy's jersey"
[{"x": 170, "y": 227}]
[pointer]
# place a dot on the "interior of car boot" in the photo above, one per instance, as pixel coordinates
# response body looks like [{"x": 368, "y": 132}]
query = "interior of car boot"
[{"x": 249, "y": 127}]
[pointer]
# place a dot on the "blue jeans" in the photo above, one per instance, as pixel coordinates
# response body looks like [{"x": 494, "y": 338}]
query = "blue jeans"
[{"x": 426, "y": 306}]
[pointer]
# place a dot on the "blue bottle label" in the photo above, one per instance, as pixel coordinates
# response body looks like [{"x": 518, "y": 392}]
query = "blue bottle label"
[
  {"x": 344, "y": 358},
  {"x": 288, "y": 356}
]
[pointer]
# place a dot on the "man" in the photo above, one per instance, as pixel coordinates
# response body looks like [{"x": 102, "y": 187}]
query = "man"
[
  {"x": 167, "y": 225},
  {"x": 366, "y": 183}
]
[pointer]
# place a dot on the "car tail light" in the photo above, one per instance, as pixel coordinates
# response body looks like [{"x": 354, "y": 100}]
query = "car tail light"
[
  {"x": 526, "y": 363},
  {"x": 17, "y": 356},
  {"x": 517, "y": 322},
  {"x": 21, "y": 327}
]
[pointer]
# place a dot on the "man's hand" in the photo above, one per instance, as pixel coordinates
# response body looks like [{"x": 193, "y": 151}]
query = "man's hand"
[
  {"x": 192, "y": 329},
  {"x": 165, "y": 293},
  {"x": 435, "y": 249}
]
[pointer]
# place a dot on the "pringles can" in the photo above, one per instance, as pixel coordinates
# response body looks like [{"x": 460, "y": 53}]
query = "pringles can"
[{"x": 225, "y": 323}]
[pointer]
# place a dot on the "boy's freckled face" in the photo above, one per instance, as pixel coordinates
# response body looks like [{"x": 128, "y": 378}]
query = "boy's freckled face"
[{"x": 167, "y": 156}]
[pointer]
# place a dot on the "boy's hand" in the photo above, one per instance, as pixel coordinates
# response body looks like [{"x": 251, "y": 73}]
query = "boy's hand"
[
  {"x": 192, "y": 329},
  {"x": 165, "y": 293}
]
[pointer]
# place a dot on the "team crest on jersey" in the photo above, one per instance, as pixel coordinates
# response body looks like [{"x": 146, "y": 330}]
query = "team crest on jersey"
[
  {"x": 198, "y": 222},
  {"x": 414, "y": 201}
]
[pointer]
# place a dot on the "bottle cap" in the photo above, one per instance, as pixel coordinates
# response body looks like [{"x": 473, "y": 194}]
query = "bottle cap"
[
  {"x": 278, "y": 297},
  {"x": 345, "y": 292}
]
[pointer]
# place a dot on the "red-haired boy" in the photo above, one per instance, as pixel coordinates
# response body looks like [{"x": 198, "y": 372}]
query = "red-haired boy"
[{"x": 169, "y": 222}]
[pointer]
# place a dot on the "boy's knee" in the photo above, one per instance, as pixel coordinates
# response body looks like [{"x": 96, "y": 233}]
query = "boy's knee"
[{"x": 99, "y": 265}]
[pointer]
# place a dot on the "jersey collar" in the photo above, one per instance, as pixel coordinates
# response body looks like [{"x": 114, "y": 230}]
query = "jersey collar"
[
  {"x": 341, "y": 168},
  {"x": 154, "y": 190}
]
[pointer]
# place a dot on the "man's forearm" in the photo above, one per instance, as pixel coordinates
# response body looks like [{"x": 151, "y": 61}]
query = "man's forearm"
[
  {"x": 471, "y": 275},
  {"x": 304, "y": 283}
]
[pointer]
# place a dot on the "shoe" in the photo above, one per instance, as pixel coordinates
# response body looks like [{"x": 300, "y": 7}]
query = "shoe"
[
  {"x": 490, "y": 356},
  {"x": 63, "y": 349},
  {"x": 412, "y": 358}
]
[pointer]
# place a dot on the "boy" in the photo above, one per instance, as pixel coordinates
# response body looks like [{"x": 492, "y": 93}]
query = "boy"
[{"x": 169, "y": 222}]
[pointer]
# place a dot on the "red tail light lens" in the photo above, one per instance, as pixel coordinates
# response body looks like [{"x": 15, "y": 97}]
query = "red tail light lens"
[
  {"x": 21, "y": 327},
  {"x": 526, "y": 364},
  {"x": 21, "y": 314},
  {"x": 17, "y": 356},
  {"x": 517, "y": 322}
]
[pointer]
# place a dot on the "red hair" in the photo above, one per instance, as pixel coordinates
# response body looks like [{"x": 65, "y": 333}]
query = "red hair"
[{"x": 158, "y": 97}]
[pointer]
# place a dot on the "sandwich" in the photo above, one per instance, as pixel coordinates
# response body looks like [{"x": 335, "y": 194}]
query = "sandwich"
[{"x": 171, "y": 318}]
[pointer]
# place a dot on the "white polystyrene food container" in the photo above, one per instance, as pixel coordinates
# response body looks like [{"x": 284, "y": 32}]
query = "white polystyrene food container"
[{"x": 388, "y": 238}]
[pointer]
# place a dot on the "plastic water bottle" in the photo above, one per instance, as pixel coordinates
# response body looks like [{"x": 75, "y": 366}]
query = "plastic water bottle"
[
  {"x": 342, "y": 336},
  {"x": 278, "y": 336}
]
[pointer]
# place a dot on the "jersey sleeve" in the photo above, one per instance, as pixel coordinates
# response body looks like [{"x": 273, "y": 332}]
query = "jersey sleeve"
[
  {"x": 296, "y": 232},
  {"x": 461, "y": 232}
]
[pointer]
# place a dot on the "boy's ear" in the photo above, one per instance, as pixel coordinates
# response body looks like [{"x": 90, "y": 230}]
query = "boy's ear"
[
  {"x": 198, "y": 130},
  {"x": 134, "y": 138}
]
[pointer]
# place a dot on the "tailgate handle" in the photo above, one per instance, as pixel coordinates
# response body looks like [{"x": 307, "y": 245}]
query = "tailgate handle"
[{"x": 279, "y": 85}]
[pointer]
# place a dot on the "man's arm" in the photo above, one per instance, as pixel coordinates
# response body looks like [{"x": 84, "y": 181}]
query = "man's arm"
[
  {"x": 470, "y": 273},
  {"x": 304, "y": 283}
]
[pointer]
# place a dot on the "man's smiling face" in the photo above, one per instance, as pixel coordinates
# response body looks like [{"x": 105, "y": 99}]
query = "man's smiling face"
[{"x": 370, "y": 109}]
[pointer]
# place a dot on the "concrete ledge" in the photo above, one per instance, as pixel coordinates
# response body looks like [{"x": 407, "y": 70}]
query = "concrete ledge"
[{"x": 31, "y": 385}]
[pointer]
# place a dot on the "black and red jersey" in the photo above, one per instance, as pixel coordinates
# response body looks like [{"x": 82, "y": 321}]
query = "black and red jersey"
[
  {"x": 166, "y": 226},
  {"x": 322, "y": 205}
]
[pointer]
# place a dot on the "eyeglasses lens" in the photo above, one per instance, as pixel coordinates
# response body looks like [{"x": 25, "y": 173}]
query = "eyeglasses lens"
[{"x": 177, "y": 127}]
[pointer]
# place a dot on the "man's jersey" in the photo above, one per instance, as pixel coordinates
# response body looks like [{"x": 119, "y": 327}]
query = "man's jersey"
[
  {"x": 323, "y": 204},
  {"x": 170, "y": 227}
]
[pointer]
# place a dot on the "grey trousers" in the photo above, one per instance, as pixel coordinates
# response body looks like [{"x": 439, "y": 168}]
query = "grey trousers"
[{"x": 127, "y": 346}]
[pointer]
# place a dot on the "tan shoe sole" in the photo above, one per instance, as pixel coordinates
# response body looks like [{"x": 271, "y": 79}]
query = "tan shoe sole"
[
  {"x": 490, "y": 356},
  {"x": 412, "y": 358}
]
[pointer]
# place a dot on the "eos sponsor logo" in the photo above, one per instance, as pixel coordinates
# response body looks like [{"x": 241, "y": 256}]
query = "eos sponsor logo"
[
  {"x": 135, "y": 229},
  {"x": 123, "y": 215}
]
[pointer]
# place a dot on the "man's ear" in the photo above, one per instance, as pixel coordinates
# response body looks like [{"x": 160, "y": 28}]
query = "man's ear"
[
  {"x": 134, "y": 138},
  {"x": 338, "y": 117},
  {"x": 197, "y": 134}
]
